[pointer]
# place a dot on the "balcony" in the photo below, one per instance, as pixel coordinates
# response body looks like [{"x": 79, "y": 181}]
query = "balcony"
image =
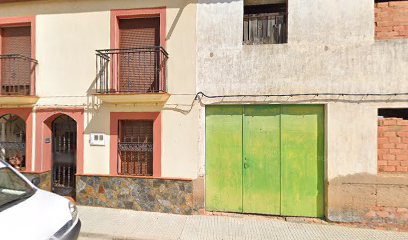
[
  {"x": 17, "y": 80},
  {"x": 133, "y": 75}
]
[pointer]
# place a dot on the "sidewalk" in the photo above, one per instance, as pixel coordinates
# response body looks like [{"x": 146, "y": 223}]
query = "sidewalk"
[{"x": 105, "y": 223}]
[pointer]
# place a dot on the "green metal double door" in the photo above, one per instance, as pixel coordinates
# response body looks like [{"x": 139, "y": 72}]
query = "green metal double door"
[{"x": 265, "y": 159}]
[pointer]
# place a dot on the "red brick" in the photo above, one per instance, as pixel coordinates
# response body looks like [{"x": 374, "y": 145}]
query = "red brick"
[
  {"x": 402, "y": 169},
  {"x": 388, "y": 157},
  {"x": 404, "y": 163},
  {"x": 401, "y": 157},
  {"x": 403, "y": 129},
  {"x": 403, "y": 33},
  {"x": 389, "y": 168},
  {"x": 402, "y": 134},
  {"x": 385, "y": 151},
  {"x": 400, "y": 4},
  {"x": 380, "y": 131},
  {"x": 401, "y": 145},
  {"x": 402, "y": 210},
  {"x": 371, "y": 214},
  {"x": 382, "y": 163},
  {"x": 381, "y": 5},
  {"x": 393, "y": 163},
  {"x": 382, "y": 140},
  {"x": 384, "y": 29},
  {"x": 388, "y": 145},
  {"x": 385, "y": 23},
  {"x": 401, "y": 28},
  {"x": 405, "y": 140},
  {"x": 383, "y": 214},
  {"x": 394, "y": 139},
  {"x": 390, "y": 134},
  {"x": 392, "y": 151}
]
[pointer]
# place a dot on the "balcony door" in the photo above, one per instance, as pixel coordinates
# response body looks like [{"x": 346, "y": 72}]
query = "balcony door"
[
  {"x": 139, "y": 39},
  {"x": 15, "y": 68}
]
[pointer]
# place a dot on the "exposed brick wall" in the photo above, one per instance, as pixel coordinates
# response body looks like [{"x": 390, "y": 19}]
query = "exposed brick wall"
[
  {"x": 391, "y": 20},
  {"x": 393, "y": 145}
]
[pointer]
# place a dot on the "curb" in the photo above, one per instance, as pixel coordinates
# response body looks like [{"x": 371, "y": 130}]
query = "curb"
[{"x": 109, "y": 237}]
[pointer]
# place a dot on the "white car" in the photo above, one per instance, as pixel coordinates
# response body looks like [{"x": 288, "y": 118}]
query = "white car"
[{"x": 27, "y": 212}]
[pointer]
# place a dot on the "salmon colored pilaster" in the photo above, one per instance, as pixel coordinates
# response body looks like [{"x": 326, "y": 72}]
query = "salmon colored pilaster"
[
  {"x": 44, "y": 119},
  {"x": 116, "y": 15},
  {"x": 26, "y": 115},
  {"x": 114, "y": 125},
  {"x": 21, "y": 22}
]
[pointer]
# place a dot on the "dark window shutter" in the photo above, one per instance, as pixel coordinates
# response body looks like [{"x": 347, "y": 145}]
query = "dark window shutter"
[
  {"x": 138, "y": 69},
  {"x": 16, "y": 72},
  {"x": 16, "y": 40},
  {"x": 139, "y": 32}
]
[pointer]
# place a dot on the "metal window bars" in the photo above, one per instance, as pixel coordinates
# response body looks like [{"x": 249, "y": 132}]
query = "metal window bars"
[
  {"x": 17, "y": 74},
  {"x": 131, "y": 70}
]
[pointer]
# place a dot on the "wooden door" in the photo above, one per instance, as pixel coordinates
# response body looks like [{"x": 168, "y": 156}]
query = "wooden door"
[{"x": 261, "y": 167}]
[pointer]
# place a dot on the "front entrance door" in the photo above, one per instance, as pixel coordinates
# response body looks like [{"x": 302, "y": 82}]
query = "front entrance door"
[
  {"x": 265, "y": 159},
  {"x": 64, "y": 147}
]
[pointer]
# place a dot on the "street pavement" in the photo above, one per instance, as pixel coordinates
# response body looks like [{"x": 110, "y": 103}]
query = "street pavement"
[{"x": 105, "y": 223}]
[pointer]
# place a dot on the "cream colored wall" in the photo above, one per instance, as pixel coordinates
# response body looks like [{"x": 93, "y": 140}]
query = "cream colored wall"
[{"x": 67, "y": 35}]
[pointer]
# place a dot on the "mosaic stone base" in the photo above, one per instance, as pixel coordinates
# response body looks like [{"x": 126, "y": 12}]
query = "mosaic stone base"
[
  {"x": 154, "y": 195},
  {"x": 45, "y": 179}
]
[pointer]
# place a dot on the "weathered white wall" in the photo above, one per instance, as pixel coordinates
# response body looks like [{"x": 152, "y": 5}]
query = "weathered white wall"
[
  {"x": 67, "y": 35},
  {"x": 330, "y": 49}
]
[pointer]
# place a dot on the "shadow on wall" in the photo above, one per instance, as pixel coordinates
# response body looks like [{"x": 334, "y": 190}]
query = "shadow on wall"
[{"x": 376, "y": 201}]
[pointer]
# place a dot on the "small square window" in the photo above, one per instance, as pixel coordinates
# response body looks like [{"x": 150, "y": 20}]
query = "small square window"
[{"x": 265, "y": 22}]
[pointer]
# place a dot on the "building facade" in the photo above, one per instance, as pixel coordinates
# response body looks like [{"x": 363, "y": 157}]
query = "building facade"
[
  {"x": 296, "y": 94},
  {"x": 103, "y": 111},
  {"x": 267, "y": 107}
]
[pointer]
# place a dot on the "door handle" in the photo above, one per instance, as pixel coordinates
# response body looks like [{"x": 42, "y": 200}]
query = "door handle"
[{"x": 246, "y": 165}]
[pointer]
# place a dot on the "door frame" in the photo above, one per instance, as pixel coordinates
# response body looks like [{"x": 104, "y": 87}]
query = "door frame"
[
  {"x": 43, "y": 133},
  {"x": 325, "y": 148}
]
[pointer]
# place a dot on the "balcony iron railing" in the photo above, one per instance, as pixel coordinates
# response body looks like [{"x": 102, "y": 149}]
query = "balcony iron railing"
[
  {"x": 132, "y": 70},
  {"x": 17, "y": 75},
  {"x": 265, "y": 28}
]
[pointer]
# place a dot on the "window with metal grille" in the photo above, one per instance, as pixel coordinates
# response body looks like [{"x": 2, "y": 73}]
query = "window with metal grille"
[
  {"x": 15, "y": 59},
  {"x": 265, "y": 22},
  {"x": 12, "y": 140},
  {"x": 135, "y": 147}
]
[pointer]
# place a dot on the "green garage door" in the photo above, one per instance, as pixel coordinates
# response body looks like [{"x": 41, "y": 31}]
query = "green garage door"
[{"x": 265, "y": 159}]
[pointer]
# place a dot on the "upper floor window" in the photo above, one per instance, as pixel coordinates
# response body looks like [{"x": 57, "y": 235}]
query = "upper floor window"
[
  {"x": 265, "y": 22},
  {"x": 137, "y": 60},
  {"x": 15, "y": 60},
  {"x": 391, "y": 21}
]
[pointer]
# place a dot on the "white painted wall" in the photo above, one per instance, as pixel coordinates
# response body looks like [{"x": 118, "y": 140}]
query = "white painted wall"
[
  {"x": 330, "y": 49},
  {"x": 67, "y": 35}
]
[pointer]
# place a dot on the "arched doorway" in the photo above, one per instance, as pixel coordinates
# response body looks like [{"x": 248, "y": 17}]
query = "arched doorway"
[
  {"x": 12, "y": 140},
  {"x": 64, "y": 152}
]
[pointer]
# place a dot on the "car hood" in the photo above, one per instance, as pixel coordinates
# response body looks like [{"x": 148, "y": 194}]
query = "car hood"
[{"x": 37, "y": 217}]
